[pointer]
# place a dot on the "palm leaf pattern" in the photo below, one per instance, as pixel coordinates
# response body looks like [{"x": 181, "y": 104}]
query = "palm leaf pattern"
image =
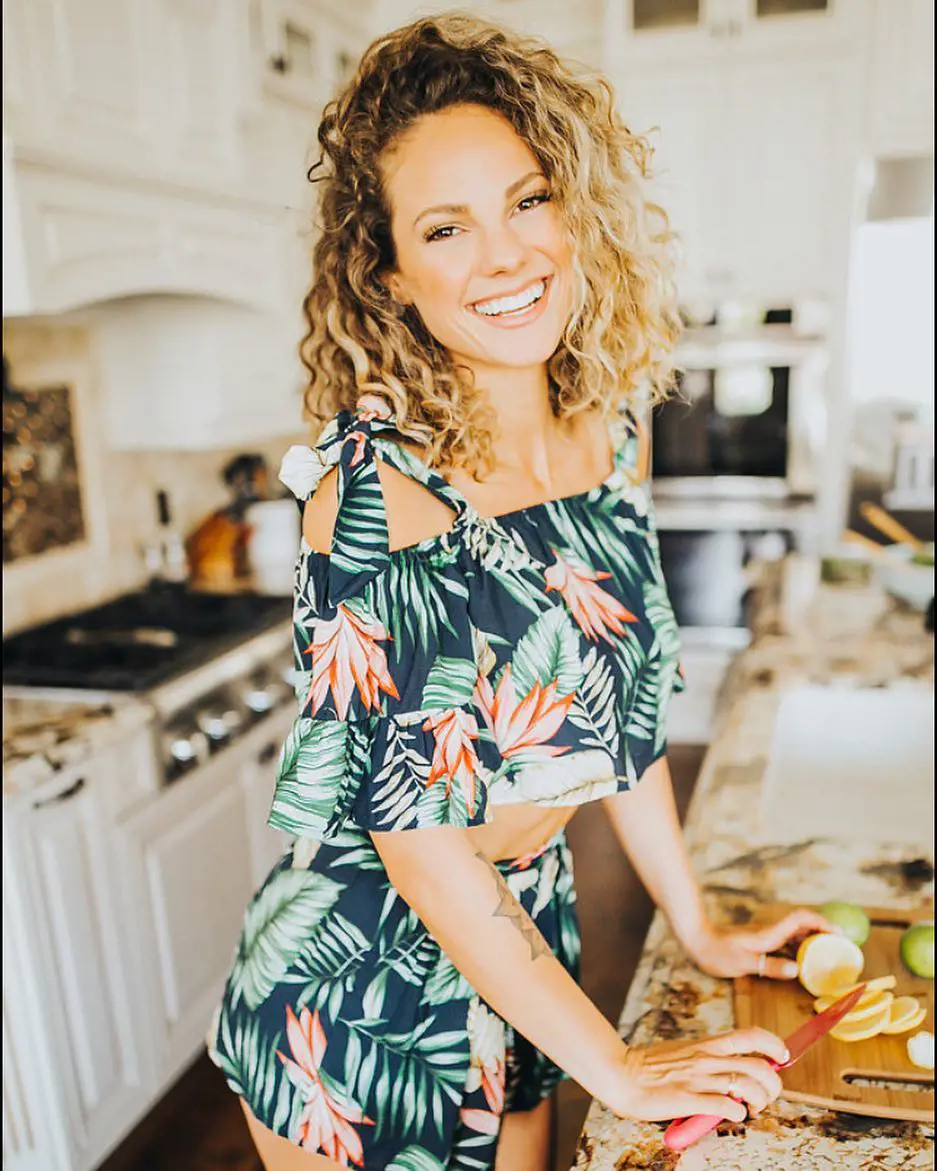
[
  {"x": 433, "y": 681},
  {"x": 429, "y": 1067},
  {"x": 275, "y": 929},
  {"x": 359, "y": 543}
]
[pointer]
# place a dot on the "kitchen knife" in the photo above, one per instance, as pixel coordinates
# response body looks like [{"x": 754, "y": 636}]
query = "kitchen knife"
[{"x": 685, "y": 1131}]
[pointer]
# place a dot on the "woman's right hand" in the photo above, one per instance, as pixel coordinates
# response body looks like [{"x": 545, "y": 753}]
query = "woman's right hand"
[{"x": 729, "y": 1075}]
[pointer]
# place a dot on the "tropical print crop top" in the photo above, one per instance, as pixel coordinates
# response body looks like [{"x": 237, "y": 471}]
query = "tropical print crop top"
[{"x": 527, "y": 658}]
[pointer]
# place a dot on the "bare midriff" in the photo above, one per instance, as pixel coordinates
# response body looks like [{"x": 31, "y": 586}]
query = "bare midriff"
[{"x": 518, "y": 830}]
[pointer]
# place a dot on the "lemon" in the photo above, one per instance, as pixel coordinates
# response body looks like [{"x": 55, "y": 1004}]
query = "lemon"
[
  {"x": 861, "y": 1030},
  {"x": 852, "y": 920},
  {"x": 879, "y": 984},
  {"x": 866, "y": 1008},
  {"x": 827, "y": 963},
  {"x": 921, "y": 1050},
  {"x": 905, "y": 1014},
  {"x": 917, "y": 950}
]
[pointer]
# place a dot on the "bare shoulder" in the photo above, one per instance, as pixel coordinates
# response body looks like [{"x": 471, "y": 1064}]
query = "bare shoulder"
[
  {"x": 320, "y": 512},
  {"x": 413, "y": 513}
]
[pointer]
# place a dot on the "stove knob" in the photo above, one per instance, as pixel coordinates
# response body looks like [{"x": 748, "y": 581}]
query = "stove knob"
[
  {"x": 219, "y": 722},
  {"x": 185, "y": 750}
]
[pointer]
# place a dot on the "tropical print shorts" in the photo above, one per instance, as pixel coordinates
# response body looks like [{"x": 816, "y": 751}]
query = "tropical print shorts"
[{"x": 347, "y": 1030}]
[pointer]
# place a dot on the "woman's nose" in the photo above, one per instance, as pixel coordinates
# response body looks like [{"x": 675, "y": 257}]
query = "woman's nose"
[{"x": 502, "y": 250}]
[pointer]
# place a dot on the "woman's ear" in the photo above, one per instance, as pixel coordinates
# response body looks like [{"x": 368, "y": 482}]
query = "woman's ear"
[{"x": 397, "y": 292}]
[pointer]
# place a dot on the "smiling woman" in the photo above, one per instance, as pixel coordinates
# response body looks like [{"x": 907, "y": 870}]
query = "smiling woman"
[
  {"x": 483, "y": 634},
  {"x": 542, "y": 183}
]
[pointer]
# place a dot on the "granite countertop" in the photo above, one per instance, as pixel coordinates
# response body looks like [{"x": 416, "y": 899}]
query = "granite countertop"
[
  {"x": 44, "y": 735},
  {"x": 803, "y": 633}
]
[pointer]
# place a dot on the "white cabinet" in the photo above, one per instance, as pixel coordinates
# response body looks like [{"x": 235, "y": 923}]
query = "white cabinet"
[
  {"x": 187, "y": 858},
  {"x": 744, "y": 151},
  {"x": 684, "y": 109},
  {"x": 697, "y": 31},
  {"x": 154, "y": 90},
  {"x": 257, "y": 777},
  {"x": 791, "y": 135},
  {"x": 900, "y": 111},
  {"x": 87, "y": 1053}
]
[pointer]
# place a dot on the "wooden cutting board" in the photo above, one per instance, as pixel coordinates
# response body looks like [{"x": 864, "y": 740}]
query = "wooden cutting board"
[{"x": 837, "y": 1074}]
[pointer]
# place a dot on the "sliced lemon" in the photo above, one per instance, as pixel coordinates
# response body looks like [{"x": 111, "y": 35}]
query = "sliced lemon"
[
  {"x": 879, "y": 984},
  {"x": 862, "y": 1030},
  {"x": 827, "y": 963},
  {"x": 905, "y": 1014},
  {"x": 874, "y": 997},
  {"x": 866, "y": 1011}
]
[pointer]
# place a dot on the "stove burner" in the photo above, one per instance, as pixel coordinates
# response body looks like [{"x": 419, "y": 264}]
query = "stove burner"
[{"x": 138, "y": 641}]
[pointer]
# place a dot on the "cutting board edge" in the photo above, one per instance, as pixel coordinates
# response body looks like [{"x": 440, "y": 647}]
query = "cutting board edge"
[{"x": 866, "y": 1109}]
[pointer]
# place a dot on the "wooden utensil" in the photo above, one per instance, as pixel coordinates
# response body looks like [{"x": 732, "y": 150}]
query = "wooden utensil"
[
  {"x": 886, "y": 523},
  {"x": 873, "y": 1077},
  {"x": 851, "y": 537}
]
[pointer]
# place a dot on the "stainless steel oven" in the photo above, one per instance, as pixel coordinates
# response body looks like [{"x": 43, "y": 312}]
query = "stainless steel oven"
[{"x": 749, "y": 419}]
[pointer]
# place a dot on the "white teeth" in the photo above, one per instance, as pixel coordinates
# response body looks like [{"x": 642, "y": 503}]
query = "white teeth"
[{"x": 511, "y": 304}]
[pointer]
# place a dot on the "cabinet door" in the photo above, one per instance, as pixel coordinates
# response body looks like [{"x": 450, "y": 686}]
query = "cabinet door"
[
  {"x": 688, "y": 108},
  {"x": 87, "y": 958},
  {"x": 189, "y": 855},
  {"x": 258, "y": 773},
  {"x": 803, "y": 27},
  {"x": 77, "y": 75},
  {"x": 901, "y": 94},
  {"x": 788, "y": 180},
  {"x": 155, "y": 89},
  {"x": 662, "y": 31}
]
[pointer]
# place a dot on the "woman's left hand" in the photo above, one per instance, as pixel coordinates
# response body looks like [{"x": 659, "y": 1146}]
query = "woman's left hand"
[{"x": 732, "y": 952}]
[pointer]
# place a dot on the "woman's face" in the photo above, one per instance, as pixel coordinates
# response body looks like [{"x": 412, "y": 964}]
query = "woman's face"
[{"x": 482, "y": 252}]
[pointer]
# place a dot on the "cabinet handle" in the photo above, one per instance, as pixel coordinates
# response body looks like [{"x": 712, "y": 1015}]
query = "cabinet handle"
[
  {"x": 267, "y": 753},
  {"x": 65, "y": 795}
]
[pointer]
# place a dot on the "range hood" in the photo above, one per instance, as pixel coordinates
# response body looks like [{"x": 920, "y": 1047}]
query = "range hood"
[{"x": 194, "y": 373}]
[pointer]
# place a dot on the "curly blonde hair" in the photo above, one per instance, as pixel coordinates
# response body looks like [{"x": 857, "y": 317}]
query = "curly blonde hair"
[{"x": 624, "y": 322}]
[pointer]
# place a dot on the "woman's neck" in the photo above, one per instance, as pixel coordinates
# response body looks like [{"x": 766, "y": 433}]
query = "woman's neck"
[{"x": 527, "y": 428}]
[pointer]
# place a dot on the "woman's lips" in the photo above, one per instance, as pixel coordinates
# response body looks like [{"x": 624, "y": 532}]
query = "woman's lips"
[{"x": 516, "y": 318}]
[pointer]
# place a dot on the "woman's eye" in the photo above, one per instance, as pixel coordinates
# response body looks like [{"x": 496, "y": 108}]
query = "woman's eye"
[
  {"x": 530, "y": 201},
  {"x": 446, "y": 232}
]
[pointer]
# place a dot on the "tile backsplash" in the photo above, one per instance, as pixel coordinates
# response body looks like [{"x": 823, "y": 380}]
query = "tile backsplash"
[{"x": 94, "y": 550}]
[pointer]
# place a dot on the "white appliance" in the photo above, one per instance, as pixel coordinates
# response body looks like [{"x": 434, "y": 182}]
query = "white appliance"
[{"x": 274, "y": 539}]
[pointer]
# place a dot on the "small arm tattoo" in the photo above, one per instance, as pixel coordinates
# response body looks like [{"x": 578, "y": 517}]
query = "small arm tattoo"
[{"x": 509, "y": 908}]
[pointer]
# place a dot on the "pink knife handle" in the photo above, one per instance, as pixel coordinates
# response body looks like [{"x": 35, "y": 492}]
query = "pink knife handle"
[{"x": 686, "y": 1131}]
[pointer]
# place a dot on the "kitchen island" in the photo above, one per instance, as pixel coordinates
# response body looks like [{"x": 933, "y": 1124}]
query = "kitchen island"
[{"x": 803, "y": 634}]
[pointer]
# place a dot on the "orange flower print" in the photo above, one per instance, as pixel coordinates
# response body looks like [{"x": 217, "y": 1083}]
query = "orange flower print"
[
  {"x": 486, "y": 1068},
  {"x": 345, "y": 655},
  {"x": 325, "y": 1124},
  {"x": 358, "y": 438},
  {"x": 593, "y": 609},
  {"x": 454, "y": 756},
  {"x": 525, "y": 725}
]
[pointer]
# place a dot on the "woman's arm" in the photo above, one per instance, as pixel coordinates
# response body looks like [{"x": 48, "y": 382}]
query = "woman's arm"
[
  {"x": 467, "y": 906},
  {"x": 645, "y": 821},
  {"x": 470, "y": 912},
  {"x": 647, "y": 825}
]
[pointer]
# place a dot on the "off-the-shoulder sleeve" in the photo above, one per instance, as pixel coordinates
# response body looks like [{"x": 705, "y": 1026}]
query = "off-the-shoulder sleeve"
[{"x": 386, "y": 734}]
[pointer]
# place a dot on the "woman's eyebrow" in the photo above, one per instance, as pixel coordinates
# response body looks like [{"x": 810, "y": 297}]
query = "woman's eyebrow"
[{"x": 461, "y": 208}]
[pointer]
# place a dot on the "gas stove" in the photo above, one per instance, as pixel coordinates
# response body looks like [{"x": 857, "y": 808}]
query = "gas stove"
[
  {"x": 138, "y": 641},
  {"x": 209, "y": 668}
]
